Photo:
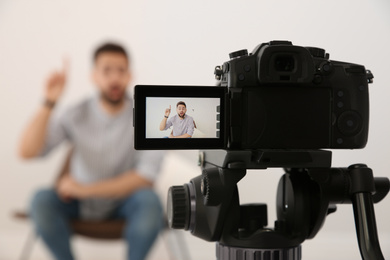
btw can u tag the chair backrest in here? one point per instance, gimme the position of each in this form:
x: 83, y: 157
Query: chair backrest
x: 65, y: 169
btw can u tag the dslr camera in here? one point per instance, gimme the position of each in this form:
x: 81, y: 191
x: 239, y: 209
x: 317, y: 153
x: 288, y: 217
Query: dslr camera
x: 275, y: 107
x: 280, y: 96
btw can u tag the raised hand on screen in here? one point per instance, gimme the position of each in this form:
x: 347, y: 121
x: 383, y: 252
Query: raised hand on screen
x: 168, y: 111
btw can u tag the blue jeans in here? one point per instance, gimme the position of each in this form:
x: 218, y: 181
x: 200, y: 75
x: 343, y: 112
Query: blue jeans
x: 142, y: 212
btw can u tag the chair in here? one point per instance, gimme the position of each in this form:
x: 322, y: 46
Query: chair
x: 104, y: 229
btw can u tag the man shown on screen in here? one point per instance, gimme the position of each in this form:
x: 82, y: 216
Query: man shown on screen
x: 183, y: 125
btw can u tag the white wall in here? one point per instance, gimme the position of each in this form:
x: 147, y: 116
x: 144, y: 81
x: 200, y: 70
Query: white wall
x: 180, y: 42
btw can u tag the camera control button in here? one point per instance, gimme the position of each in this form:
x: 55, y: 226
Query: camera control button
x: 241, y: 77
x: 247, y: 68
x: 326, y: 68
x: 349, y: 123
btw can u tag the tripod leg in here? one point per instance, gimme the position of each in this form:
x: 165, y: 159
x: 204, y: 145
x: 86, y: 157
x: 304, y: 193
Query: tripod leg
x: 366, y: 226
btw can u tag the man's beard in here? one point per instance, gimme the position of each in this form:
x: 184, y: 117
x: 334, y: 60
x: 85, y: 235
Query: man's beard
x: 112, y: 101
x: 183, y: 116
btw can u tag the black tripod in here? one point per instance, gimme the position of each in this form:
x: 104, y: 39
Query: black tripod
x: 308, y: 191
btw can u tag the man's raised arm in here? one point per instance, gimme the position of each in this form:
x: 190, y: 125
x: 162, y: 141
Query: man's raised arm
x: 164, y: 121
x: 33, y: 136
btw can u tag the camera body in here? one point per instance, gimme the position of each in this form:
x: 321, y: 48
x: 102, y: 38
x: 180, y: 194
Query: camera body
x: 283, y: 96
x: 280, y: 96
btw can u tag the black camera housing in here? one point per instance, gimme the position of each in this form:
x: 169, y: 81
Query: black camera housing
x: 292, y: 97
x: 280, y: 96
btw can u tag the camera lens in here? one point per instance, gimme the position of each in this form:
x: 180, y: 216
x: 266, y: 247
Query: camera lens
x: 284, y: 63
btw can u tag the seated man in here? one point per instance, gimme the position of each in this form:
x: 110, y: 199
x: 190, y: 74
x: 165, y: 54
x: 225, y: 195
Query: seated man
x: 107, y: 178
x: 183, y: 125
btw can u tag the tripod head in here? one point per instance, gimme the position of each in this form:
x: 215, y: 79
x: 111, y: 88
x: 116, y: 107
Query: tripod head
x: 308, y: 191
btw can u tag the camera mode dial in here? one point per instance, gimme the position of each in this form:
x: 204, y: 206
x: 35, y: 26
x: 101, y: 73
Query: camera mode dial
x: 238, y: 54
x: 317, y: 52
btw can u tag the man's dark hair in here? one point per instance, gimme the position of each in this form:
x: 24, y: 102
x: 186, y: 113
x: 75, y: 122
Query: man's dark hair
x: 110, y: 47
x: 181, y: 103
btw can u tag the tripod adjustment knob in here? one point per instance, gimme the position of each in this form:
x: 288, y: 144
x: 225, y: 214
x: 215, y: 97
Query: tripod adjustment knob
x: 178, y: 208
x: 241, y: 253
x: 211, y: 187
x: 362, y: 179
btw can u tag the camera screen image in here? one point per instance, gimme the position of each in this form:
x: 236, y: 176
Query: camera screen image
x: 182, y: 117
x: 179, y: 117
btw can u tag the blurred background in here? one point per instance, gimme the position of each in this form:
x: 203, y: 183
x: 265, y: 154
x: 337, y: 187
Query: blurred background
x: 180, y: 42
